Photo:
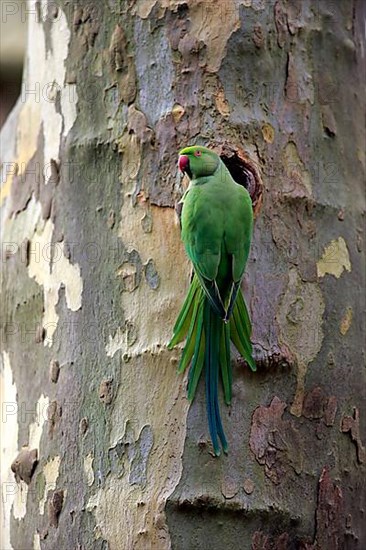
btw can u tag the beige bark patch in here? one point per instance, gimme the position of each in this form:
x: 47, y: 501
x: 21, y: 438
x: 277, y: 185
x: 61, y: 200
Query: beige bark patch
x: 335, y: 259
x: 151, y: 399
x: 50, y: 268
x: 36, y: 541
x: 213, y: 24
x: 346, y: 321
x: 44, y: 83
x: 15, y: 230
x: 177, y: 112
x: 300, y: 319
x: 88, y: 469
x: 36, y: 428
x: 35, y: 434
x: 170, y: 263
x: 9, y: 446
x: 144, y: 7
x: 268, y: 133
x: 221, y: 103
x: 50, y: 471
x: 297, y: 181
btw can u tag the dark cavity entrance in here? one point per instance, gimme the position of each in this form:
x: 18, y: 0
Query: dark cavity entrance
x: 244, y: 171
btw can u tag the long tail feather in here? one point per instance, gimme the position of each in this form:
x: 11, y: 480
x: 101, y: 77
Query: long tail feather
x: 191, y: 340
x: 198, y: 357
x: 208, y: 345
x: 226, y: 373
x: 184, y: 318
x: 240, y: 331
x: 213, y: 326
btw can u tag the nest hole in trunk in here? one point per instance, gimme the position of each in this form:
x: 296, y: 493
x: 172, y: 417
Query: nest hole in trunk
x: 244, y: 171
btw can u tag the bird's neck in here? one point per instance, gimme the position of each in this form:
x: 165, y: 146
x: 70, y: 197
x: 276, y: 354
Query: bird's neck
x: 219, y: 177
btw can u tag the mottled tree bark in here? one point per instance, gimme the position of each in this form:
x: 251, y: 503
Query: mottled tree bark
x: 100, y: 446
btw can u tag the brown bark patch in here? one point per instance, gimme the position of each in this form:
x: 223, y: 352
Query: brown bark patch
x: 329, y: 514
x: 55, y: 504
x: 352, y: 425
x: 106, y: 391
x: 25, y: 464
x: 275, y: 442
x: 54, y: 371
x: 317, y: 405
x: 54, y: 413
x: 261, y: 541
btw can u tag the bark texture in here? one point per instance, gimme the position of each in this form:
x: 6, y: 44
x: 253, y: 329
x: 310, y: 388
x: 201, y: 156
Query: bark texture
x: 100, y: 448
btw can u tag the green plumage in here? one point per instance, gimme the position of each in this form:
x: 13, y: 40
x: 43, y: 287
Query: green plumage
x: 217, y: 223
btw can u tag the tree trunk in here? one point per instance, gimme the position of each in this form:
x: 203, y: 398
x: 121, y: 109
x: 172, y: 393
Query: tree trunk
x: 100, y: 448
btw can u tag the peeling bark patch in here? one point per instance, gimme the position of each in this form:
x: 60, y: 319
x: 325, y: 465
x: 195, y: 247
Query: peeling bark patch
x: 351, y: 425
x: 135, y: 452
x: 318, y: 406
x: 54, y: 413
x: 248, y: 486
x: 105, y: 392
x: 151, y: 275
x: 313, y: 404
x: 122, y: 65
x: 177, y: 112
x: 47, y: 70
x: 330, y: 411
x: 229, y: 487
x: 329, y: 123
x: 86, y: 25
x: 50, y: 268
x: 300, y: 319
x: 281, y: 23
x: 130, y: 277
x: 329, y: 514
x: 268, y: 133
x: 54, y: 371
x: 222, y: 104
x: 213, y: 26
x: 55, y: 504
x: 261, y: 541
x: 83, y: 425
x: 142, y: 476
x: 130, y: 271
x: 152, y: 81
x: 141, y: 452
x: 335, y: 259
x: 299, y: 85
x: 24, y: 465
x: 346, y: 321
x: 88, y: 469
x: 9, y: 434
x: 275, y: 442
x: 297, y: 181
x: 36, y: 428
x: 146, y: 222
x: 36, y: 541
x: 123, y: 339
x: 50, y: 472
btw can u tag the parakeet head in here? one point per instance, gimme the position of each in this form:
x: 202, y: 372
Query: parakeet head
x: 197, y: 161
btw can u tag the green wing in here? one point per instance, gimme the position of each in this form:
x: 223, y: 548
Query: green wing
x: 217, y: 224
x: 202, y: 239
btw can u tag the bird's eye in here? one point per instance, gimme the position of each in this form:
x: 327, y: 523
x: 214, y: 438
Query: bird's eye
x: 197, y: 153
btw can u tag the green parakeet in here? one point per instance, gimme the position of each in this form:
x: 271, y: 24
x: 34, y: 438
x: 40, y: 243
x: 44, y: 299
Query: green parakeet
x: 217, y: 222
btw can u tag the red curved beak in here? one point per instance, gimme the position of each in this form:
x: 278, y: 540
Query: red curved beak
x: 183, y: 163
